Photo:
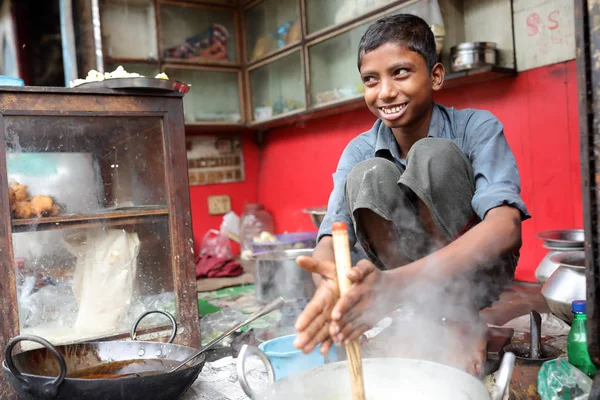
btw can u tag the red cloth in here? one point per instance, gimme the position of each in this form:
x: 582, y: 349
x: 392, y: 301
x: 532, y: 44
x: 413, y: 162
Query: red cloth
x: 208, y: 266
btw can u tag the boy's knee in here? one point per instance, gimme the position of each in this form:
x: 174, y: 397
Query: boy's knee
x: 442, y: 158
x: 374, y: 172
x: 376, y: 167
x: 435, y: 148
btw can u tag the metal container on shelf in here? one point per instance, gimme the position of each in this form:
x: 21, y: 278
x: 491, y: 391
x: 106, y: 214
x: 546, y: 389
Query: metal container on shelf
x: 470, y: 55
x: 276, y: 273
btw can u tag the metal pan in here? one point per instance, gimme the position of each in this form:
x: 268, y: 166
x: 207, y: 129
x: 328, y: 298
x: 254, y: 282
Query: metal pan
x: 90, y: 370
x: 138, y: 83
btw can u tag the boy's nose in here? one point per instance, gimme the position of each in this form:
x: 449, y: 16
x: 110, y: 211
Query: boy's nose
x: 388, y: 90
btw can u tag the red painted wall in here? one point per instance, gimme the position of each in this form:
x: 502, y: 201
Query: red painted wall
x: 538, y: 109
x: 240, y: 192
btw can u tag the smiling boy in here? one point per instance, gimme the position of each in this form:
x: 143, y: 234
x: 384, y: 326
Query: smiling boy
x: 431, y: 193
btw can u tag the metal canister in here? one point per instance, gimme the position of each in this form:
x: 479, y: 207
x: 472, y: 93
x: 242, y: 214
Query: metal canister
x: 471, y: 55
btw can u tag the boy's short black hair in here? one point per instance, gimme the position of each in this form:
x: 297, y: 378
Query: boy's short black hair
x: 406, y: 30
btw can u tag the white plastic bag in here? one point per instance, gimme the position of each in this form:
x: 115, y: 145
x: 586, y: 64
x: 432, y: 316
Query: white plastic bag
x: 216, y: 243
x: 104, y: 278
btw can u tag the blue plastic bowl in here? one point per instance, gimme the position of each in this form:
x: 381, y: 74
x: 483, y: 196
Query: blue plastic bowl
x: 288, y: 360
x: 9, y: 81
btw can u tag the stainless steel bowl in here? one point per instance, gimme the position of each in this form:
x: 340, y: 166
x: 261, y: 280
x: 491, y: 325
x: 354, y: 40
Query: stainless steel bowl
x: 316, y: 214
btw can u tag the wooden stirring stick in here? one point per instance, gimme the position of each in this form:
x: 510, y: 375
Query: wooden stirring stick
x: 343, y: 263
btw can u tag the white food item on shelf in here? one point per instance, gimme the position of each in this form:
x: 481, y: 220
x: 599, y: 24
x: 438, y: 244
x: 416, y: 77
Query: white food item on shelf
x: 120, y: 72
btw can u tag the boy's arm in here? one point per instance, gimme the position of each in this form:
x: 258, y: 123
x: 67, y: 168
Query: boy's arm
x: 497, y: 235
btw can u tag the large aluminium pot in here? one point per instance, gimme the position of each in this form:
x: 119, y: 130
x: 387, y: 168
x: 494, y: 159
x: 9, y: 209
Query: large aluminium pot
x: 384, y: 378
x: 557, y: 242
x: 89, y: 370
x: 566, y: 284
x: 276, y: 273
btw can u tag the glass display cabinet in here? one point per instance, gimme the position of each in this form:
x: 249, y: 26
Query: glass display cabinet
x: 95, y: 227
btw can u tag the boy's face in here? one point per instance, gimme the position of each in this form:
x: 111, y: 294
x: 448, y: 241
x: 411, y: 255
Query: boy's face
x: 398, y: 87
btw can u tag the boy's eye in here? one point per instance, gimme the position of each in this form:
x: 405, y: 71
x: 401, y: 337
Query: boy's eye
x: 401, y: 71
x: 367, y: 79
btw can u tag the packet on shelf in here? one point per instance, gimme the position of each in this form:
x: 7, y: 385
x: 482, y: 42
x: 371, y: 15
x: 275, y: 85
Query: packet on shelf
x: 95, y: 76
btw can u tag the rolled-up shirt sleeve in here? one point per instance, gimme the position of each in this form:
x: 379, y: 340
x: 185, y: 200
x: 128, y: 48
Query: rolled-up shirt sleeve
x: 337, y: 209
x: 496, y: 174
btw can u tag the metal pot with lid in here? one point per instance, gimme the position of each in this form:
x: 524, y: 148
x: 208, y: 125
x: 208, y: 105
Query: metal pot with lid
x: 557, y: 242
x: 402, y: 378
x: 566, y: 284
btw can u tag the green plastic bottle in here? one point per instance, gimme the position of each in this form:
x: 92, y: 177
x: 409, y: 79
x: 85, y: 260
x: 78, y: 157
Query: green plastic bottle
x: 577, y: 341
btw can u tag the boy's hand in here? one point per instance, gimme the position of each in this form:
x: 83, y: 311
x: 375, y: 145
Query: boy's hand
x: 367, y: 301
x: 313, y: 324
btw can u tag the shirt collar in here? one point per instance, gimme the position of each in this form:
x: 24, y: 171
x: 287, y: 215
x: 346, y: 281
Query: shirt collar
x: 385, y: 137
x: 436, y: 124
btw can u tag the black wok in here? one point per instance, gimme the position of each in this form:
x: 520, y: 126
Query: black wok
x: 91, y: 370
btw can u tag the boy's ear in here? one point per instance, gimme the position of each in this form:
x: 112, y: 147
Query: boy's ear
x: 437, y: 76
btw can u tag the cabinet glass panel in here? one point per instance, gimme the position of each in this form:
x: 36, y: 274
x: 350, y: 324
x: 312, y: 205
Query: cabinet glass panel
x: 84, y: 165
x: 271, y: 25
x: 197, y: 34
x: 93, y: 280
x: 334, y: 73
x: 214, y: 95
x: 323, y: 14
x: 129, y: 29
x: 147, y: 70
x: 278, y: 87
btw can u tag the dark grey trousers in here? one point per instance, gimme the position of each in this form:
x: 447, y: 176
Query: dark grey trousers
x: 438, y: 173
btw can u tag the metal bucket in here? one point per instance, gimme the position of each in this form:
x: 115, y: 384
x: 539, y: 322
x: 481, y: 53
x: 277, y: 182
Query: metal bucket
x: 276, y: 273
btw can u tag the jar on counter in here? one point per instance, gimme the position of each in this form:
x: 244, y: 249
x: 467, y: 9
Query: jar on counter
x: 254, y: 220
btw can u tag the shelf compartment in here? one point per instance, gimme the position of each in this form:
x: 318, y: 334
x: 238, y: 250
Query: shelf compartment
x: 271, y: 26
x: 129, y: 29
x: 87, y: 164
x: 110, y: 273
x: 192, y: 33
x: 214, y: 96
x: 323, y: 17
x: 277, y: 87
x: 333, y: 70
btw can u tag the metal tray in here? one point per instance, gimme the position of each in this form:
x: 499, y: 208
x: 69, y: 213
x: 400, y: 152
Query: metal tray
x: 563, y: 238
x: 138, y: 83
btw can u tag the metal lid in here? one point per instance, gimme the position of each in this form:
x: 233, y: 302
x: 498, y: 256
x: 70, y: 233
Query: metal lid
x: 563, y: 238
x: 578, y: 306
x: 474, y: 45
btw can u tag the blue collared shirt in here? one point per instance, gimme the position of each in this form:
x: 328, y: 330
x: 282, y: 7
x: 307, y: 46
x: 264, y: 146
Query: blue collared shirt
x: 477, y: 133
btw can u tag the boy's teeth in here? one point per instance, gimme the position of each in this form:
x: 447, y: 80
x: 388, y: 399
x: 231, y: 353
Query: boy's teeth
x: 392, y: 110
